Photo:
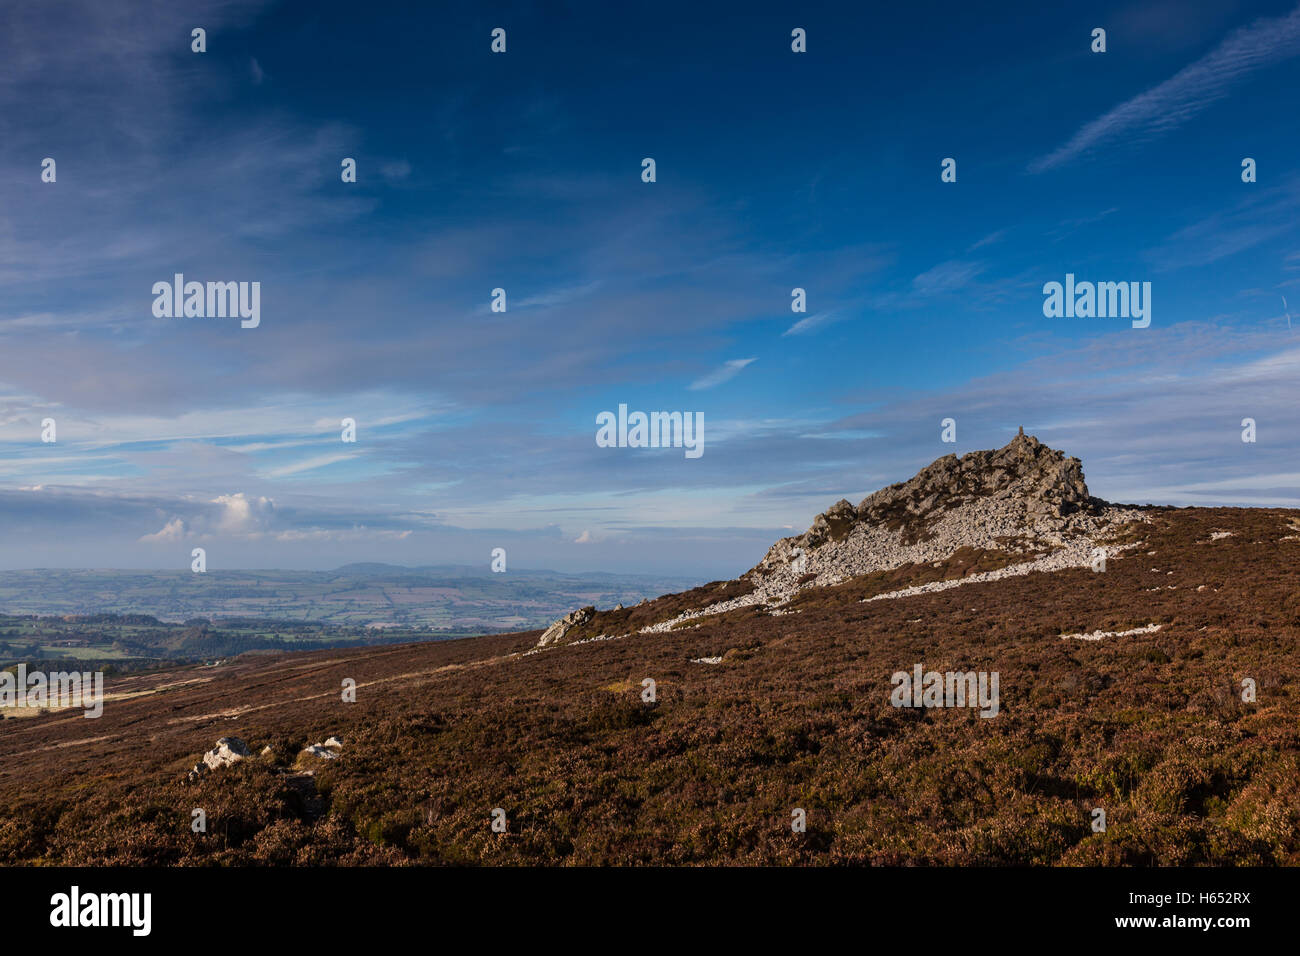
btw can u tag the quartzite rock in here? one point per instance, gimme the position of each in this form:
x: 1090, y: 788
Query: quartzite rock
x: 555, y: 633
x: 227, y: 751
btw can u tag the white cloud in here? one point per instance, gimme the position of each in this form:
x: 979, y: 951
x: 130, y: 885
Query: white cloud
x: 990, y: 239
x: 1187, y: 92
x: 350, y: 534
x: 173, y: 530
x: 726, y: 373
x: 308, y: 465
x: 946, y: 277
x: 241, y: 514
x: 808, y: 323
x: 557, y: 296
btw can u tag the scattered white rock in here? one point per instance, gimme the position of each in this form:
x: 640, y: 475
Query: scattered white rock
x: 706, y: 660
x: 977, y: 524
x: 1098, y: 635
x: 1216, y: 535
x: 227, y: 751
x: 326, y: 751
x: 586, y: 640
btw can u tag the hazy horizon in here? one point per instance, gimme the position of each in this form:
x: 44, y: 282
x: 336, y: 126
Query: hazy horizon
x: 484, y: 570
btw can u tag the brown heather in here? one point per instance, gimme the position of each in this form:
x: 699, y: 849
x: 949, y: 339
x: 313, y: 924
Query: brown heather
x: 1150, y: 727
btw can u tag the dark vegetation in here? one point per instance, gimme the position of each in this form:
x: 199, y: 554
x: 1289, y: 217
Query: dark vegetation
x: 1151, y: 727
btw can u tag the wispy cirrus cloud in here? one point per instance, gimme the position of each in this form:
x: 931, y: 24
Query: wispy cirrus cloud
x: 811, y: 322
x: 946, y: 277
x: 309, y: 464
x: 726, y: 373
x: 1258, y: 218
x: 1189, y: 91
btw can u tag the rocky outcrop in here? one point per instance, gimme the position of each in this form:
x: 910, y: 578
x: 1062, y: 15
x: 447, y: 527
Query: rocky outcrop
x: 1027, y: 488
x: 1024, y: 501
x: 556, y: 632
x: 228, y: 750
x: 1048, y: 483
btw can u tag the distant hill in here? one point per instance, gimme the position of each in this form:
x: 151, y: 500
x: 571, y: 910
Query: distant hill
x: 378, y: 569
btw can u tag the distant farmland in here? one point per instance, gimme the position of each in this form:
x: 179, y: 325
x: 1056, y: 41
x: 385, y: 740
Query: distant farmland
x: 464, y: 600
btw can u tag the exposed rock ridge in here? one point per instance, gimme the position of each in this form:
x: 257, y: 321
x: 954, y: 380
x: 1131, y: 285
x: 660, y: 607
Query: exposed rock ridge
x: 1046, y: 484
x: 1024, y: 498
x: 556, y: 632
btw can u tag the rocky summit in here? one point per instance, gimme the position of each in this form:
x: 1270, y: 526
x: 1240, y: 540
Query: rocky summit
x: 1045, y: 481
x: 1041, y: 485
x: 1020, y: 508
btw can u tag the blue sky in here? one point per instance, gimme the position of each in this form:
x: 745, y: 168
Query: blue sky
x: 522, y: 170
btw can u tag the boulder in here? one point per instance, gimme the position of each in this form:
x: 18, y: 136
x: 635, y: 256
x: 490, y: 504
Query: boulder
x: 227, y: 751
x: 556, y: 632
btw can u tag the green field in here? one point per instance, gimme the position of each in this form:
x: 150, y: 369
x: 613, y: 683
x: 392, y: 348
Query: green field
x: 137, y: 618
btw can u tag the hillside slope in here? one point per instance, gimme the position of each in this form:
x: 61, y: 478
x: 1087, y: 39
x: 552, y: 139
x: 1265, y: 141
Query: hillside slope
x: 1120, y: 690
